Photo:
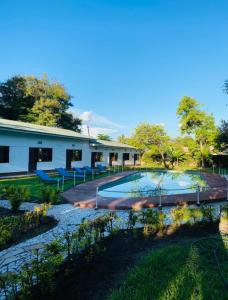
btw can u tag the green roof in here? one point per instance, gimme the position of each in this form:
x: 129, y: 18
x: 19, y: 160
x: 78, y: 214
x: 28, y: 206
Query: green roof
x: 24, y: 127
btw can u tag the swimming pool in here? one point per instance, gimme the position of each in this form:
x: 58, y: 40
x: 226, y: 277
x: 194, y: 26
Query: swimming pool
x: 148, y: 184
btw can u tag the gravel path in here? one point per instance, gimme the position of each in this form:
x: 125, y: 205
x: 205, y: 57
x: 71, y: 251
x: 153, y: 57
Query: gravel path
x: 69, y: 218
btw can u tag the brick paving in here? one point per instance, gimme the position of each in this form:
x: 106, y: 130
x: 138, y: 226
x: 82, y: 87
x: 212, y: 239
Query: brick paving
x: 85, y: 195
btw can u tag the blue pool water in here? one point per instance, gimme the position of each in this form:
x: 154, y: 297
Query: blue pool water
x: 146, y: 184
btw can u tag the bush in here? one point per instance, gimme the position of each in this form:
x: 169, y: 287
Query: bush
x: 15, y: 200
x: 153, y: 221
x: 16, y: 195
x: 50, y: 195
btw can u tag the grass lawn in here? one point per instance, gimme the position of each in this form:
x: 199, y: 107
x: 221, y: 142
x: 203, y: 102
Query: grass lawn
x: 177, y: 272
x: 35, y: 185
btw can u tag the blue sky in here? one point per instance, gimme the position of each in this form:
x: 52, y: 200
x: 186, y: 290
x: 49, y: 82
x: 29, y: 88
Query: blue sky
x: 123, y: 61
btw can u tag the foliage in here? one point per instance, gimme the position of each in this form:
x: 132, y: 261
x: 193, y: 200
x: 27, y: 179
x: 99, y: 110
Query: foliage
x: 50, y: 195
x: 104, y: 137
x: 151, y: 137
x: 152, y: 220
x: 37, y: 100
x: 201, y: 125
x: 222, y: 138
x: 224, y: 212
x: 14, y: 227
x: 15, y: 194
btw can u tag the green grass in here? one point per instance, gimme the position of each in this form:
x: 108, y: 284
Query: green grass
x: 176, y: 272
x: 35, y: 185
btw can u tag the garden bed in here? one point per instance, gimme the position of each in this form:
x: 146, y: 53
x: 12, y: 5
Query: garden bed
x: 94, y: 279
x: 18, y: 226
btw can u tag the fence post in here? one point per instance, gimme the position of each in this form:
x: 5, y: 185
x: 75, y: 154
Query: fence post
x: 74, y: 177
x: 92, y: 174
x: 197, y: 195
x: 57, y: 184
x: 160, y: 198
x: 96, y: 205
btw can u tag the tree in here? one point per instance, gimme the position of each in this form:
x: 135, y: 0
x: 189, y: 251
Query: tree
x: 122, y: 139
x: 151, y: 137
x: 175, y: 153
x: 15, y: 103
x: 223, y: 135
x: 197, y: 122
x: 104, y: 137
x: 37, y: 100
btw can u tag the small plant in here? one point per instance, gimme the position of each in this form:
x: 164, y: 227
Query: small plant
x: 208, y: 213
x: 153, y: 221
x: 50, y: 195
x: 177, y: 214
x: 16, y: 200
x: 132, y: 219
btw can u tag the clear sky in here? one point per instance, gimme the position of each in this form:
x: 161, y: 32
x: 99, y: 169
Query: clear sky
x: 123, y: 61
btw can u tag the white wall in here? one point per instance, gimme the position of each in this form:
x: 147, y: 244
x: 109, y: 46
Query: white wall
x: 19, y: 151
x: 20, y: 143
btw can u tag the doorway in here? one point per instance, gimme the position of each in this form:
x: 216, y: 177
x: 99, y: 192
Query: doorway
x: 33, y: 158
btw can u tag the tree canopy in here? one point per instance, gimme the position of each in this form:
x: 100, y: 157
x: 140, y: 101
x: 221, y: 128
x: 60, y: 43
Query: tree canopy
x: 37, y: 100
x: 104, y: 137
x: 198, y: 123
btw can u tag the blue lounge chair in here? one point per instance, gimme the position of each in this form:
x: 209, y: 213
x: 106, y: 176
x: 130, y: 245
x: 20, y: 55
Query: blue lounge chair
x: 45, y: 177
x: 80, y: 171
x: 63, y: 172
x: 91, y: 171
x: 102, y: 169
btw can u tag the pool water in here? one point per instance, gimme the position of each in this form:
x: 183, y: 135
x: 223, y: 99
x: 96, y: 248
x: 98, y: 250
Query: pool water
x: 146, y: 184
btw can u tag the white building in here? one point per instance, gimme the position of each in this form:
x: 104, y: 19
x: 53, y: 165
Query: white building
x: 26, y: 147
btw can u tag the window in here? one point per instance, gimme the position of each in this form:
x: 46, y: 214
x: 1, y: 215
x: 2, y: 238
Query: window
x: 4, y: 154
x: 126, y: 156
x: 98, y: 156
x: 44, y: 154
x: 76, y: 155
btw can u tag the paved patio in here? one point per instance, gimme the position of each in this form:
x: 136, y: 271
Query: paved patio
x: 85, y: 195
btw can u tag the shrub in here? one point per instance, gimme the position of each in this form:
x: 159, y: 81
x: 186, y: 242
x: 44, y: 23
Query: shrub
x: 132, y: 219
x: 153, y: 221
x: 15, y: 200
x: 50, y: 195
x: 177, y: 214
x: 16, y: 195
x: 224, y: 212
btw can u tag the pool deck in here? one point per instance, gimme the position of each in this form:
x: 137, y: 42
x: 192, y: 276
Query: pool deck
x: 85, y: 195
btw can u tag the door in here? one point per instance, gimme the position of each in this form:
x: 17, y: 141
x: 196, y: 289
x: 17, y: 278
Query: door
x: 126, y: 156
x: 135, y: 158
x: 33, y: 158
x: 68, y: 158
x: 111, y: 158
x: 93, y: 159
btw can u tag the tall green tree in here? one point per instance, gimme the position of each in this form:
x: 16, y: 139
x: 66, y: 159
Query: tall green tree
x: 37, y: 100
x: 151, y: 137
x: 15, y: 102
x: 223, y: 135
x: 198, y: 123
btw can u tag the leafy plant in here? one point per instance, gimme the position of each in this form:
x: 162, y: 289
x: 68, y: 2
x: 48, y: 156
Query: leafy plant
x: 50, y: 195
x: 153, y: 221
